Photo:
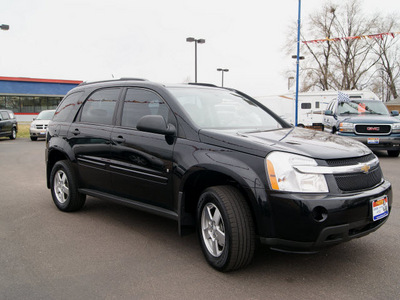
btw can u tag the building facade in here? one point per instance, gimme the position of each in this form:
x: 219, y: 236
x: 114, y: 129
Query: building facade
x: 26, y: 97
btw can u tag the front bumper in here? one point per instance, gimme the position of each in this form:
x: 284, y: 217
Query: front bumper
x: 306, y: 223
x: 37, y: 132
x: 377, y: 142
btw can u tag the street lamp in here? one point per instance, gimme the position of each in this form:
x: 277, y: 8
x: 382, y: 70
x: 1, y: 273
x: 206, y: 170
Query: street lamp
x: 4, y: 27
x: 196, y: 41
x: 222, y: 71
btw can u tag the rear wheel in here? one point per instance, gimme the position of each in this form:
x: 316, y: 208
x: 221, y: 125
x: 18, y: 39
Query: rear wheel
x: 393, y: 153
x: 64, y: 188
x: 225, y: 228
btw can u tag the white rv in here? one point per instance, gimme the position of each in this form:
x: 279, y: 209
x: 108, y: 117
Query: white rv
x: 311, y: 105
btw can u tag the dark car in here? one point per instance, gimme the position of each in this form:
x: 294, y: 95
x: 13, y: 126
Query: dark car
x: 8, y: 124
x: 367, y: 121
x: 217, y: 160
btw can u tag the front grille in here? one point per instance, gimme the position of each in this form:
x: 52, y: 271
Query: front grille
x: 356, y: 181
x: 373, y: 129
x: 349, y: 161
x: 40, y: 126
x: 359, y: 181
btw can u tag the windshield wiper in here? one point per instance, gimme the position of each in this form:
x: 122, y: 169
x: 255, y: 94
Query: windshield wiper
x: 348, y: 113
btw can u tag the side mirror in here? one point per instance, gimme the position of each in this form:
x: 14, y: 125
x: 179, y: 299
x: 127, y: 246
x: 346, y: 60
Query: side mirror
x: 395, y: 113
x: 155, y: 124
x: 328, y: 113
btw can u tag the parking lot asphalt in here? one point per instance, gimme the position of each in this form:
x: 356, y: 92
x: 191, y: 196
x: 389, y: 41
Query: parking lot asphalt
x: 107, y: 251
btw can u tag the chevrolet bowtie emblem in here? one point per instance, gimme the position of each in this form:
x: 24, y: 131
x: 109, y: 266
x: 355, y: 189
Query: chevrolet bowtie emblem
x: 365, y: 168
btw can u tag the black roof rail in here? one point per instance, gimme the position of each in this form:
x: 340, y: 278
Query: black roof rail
x: 118, y: 79
x: 133, y: 78
x: 203, y: 84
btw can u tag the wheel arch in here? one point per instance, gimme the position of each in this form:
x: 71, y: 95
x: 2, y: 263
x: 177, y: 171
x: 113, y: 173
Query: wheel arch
x: 197, y: 181
x: 53, y: 157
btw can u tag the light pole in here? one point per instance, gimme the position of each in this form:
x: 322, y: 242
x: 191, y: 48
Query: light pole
x: 4, y: 27
x: 297, y: 65
x: 196, y: 41
x: 222, y: 71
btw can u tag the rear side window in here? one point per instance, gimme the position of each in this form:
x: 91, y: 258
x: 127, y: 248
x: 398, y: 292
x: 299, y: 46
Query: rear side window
x: 306, y: 105
x: 100, y: 106
x: 139, y: 103
x: 66, y: 107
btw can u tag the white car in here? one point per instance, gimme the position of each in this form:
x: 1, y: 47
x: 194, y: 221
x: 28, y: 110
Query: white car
x: 39, y: 125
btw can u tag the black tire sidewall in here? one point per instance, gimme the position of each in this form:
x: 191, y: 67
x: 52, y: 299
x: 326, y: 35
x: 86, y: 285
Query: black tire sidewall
x: 75, y: 200
x: 219, y: 263
x: 13, y: 134
x: 393, y: 153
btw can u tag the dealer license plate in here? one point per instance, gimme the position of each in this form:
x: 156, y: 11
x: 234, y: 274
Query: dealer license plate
x: 373, y: 141
x: 380, y: 208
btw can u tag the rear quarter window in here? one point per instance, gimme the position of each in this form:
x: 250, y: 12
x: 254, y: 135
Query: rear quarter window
x: 65, y: 110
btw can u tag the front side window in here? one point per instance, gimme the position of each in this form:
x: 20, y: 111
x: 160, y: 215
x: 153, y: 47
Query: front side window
x: 100, y: 106
x: 223, y: 109
x: 139, y: 103
x: 4, y: 115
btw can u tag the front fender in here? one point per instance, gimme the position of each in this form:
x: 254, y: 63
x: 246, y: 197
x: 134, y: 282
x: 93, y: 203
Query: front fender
x: 209, y: 167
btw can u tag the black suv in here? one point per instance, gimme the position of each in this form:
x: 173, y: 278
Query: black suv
x: 8, y: 124
x: 367, y: 121
x: 216, y: 160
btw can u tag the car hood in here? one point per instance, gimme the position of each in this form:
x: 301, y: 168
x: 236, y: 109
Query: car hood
x: 307, y: 142
x: 368, y: 119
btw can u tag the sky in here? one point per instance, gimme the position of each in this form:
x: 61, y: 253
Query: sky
x: 102, y: 39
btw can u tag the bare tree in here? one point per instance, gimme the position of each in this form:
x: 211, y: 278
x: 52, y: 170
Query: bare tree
x: 386, y: 49
x: 344, y: 61
x: 318, y: 72
x: 352, y: 55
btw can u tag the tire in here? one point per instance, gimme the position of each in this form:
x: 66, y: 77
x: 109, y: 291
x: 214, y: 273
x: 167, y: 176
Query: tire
x: 393, y: 153
x: 33, y: 138
x: 225, y: 228
x: 13, y: 135
x: 64, y: 189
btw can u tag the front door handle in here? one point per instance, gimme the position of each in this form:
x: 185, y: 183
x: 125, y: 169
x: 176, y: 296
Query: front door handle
x: 76, y: 131
x: 119, y: 139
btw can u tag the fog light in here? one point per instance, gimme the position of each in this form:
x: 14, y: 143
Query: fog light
x: 319, y: 214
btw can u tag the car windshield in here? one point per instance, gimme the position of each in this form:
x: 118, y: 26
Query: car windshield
x: 46, y: 115
x: 362, y: 107
x: 223, y: 109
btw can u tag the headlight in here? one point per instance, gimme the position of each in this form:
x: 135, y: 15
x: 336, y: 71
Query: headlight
x: 346, y: 127
x: 33, y: 125
x: 396, y: 128
x: 283, y: 176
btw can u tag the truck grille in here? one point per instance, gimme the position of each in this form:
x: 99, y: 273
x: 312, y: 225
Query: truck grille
x: 373, y: 129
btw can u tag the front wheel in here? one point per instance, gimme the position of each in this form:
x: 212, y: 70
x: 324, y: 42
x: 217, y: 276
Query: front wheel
x: 393, y: 153
x: 13, y: 135
x: 225, y: 228
x: 64, y: 188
